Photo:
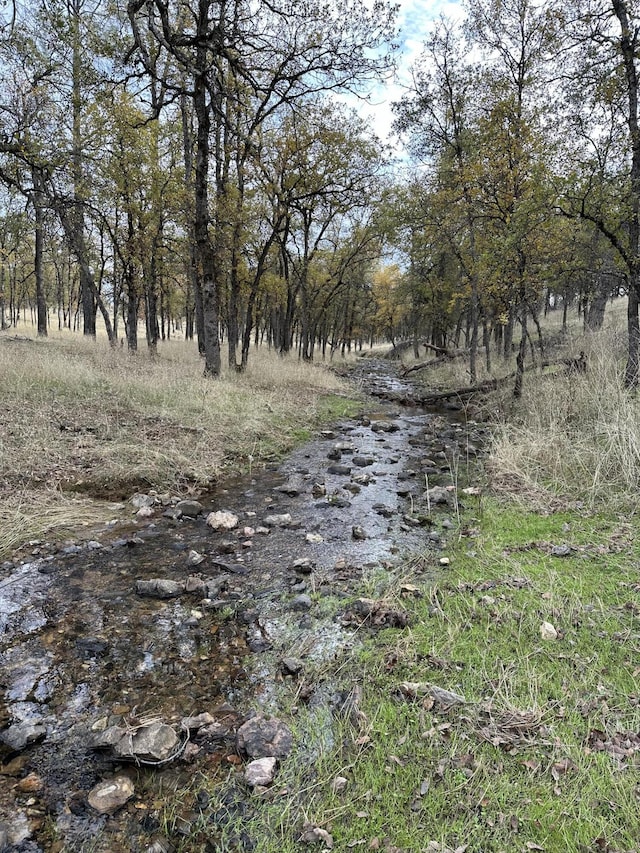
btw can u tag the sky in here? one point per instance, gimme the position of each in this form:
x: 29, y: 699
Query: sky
x: 416, y: 19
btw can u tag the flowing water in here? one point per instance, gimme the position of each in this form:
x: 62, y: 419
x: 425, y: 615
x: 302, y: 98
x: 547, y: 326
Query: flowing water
x: 80, y: 648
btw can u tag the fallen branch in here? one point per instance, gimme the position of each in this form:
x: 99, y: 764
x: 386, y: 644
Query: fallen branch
x: 446, y: 355
x: 466, y: 391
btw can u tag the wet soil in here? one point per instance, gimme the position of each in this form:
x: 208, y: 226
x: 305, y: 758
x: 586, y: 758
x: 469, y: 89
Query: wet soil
x: 79, y: 649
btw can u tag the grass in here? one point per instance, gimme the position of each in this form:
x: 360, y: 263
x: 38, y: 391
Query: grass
x: 80, y: 418
x: 573, y: 437
x: 532, y: 760
x: 542, y: 755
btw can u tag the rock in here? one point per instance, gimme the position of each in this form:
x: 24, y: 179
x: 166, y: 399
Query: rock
x: 160, y: 845
x: 438, y: 495
x: 195, y: 584
x: 226, y: 546
x: 363, y: 461
x: 214, y: 586
x: 293, y: 486
x: 189, y: 508
x: 560, y: 551
x: 154, y: 742
x: 4, y: 838
x: 108, y: 796
x: 197, y: 722
x: 344, y: 447
x: 194, y: 558
x: 263, y: 738
x: 31, y: 784
x: 548, y: 631
x: 160, y: 588
x: 140, y: 500
x: 20, y: 735
x: 314, y: 834
x: 292, y: 666
x: 359, y: 533
x: 222, y: 520
x: 261, y: 771
x: 150, y: 742
x: 145, y: 512
x: 444, y: 561
x: 362, y: 479
x: 339, y: 501
x: 301, y: 602
x: 363, y: 606
x: 282, y: 520
x: 383, y: 510
x: 303, y: 565
x: 314, y: 538
x: 341, y: 470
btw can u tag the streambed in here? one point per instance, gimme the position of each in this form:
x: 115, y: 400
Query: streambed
x: 80, y: 648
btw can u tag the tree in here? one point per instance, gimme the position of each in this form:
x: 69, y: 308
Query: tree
x: 602, y: 184
x: 238, y: 64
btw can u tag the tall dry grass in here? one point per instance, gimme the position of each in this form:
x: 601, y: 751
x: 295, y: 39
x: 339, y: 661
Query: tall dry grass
x: 79, y: 417
x: 574, y: 437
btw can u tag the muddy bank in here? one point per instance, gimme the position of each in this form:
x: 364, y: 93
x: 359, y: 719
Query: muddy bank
x: 251, y: 611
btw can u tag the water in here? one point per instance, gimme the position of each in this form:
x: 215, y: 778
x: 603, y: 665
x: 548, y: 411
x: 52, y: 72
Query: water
x: 79, y: 646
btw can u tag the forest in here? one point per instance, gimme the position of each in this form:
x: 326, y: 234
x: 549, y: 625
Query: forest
x: 194, y: 165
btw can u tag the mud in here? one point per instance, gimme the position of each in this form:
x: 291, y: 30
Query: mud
x: 80, y: 650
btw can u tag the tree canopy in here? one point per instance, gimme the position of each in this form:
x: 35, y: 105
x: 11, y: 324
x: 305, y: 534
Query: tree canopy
x: 187, y: 166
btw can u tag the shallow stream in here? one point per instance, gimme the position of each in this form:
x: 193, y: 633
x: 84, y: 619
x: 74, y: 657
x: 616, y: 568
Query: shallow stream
x: 79, y: 647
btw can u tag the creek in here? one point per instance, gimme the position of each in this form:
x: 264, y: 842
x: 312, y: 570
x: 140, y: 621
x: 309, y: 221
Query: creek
x: 80, y: 648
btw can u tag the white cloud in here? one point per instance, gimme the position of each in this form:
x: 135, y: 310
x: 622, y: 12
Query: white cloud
x: 416, y: 20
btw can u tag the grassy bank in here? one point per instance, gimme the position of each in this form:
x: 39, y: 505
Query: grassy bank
x: 534, y: 630
x: 543, y: 752
x: 80, y: 420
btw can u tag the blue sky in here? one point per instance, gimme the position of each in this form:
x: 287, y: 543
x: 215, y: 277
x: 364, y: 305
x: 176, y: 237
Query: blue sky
x: 416, y: 18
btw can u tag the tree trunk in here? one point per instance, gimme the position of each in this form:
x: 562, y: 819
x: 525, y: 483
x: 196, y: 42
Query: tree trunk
x: 632, y: 371
x: 205, y: 257
x: 522, y: 350
x: 41, y: 305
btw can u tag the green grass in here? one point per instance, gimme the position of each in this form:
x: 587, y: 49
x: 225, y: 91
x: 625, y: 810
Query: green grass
x: 518, y: 765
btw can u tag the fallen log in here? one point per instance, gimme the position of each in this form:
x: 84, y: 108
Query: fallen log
x: 465, y: 391
x: 446, y: 355
x: 571, y: 367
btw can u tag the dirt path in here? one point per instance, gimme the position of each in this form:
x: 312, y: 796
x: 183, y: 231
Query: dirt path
x: 80, y: 648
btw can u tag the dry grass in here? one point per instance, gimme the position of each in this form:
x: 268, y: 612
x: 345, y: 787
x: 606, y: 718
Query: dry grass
x: 80, y: 417
x: 575, y: 437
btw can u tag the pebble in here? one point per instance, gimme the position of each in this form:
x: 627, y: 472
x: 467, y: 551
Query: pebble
x: 301, y: 602
x: 260, y: 772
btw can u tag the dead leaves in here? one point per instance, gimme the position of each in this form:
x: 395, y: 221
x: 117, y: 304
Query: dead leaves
x: 315, y: 834
x: 432, y: 695
x: 621, y: 746
x: 511, y: 729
